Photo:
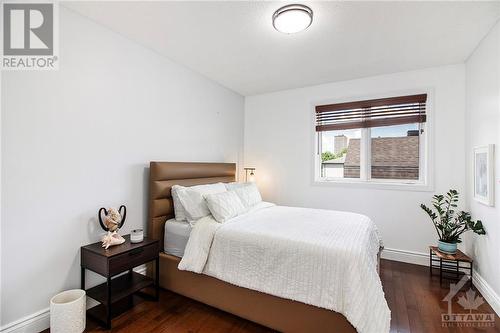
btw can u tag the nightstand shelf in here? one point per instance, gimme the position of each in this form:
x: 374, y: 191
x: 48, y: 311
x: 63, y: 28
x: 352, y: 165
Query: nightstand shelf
x: 121, y: 287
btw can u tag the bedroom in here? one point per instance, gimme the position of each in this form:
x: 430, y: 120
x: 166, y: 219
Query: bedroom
x: 345, y: 116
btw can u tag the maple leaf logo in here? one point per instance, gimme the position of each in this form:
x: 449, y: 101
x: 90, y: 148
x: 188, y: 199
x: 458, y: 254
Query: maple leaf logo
x: 470, y: 301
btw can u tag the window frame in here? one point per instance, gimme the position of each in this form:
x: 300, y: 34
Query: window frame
x: 425, y: 182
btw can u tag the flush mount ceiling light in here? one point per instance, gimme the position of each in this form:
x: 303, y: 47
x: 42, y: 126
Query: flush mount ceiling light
x: 292, y: 18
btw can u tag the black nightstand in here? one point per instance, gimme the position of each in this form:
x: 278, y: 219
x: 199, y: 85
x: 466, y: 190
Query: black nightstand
x: 113, y: 261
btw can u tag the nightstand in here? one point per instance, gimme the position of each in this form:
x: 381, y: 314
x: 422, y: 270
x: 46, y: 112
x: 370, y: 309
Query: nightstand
x: 111, y: 263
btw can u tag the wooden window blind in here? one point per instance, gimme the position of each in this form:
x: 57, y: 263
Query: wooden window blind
x: 371, y: 113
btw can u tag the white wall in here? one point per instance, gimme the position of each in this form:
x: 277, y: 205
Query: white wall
x: 279, y: 143
x: 483, y: 127
x: 82, y: 137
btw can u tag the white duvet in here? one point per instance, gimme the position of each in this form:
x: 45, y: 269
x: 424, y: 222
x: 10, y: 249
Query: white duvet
x: 320, y: 257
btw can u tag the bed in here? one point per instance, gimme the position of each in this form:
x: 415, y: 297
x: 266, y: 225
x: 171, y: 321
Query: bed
x: 278, y: 313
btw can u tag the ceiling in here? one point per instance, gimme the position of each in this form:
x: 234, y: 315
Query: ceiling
x: 234, y: 43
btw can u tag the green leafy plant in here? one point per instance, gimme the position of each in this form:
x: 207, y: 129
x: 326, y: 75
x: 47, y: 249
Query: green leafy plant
x: 328, y: 155
x: 449, y: 224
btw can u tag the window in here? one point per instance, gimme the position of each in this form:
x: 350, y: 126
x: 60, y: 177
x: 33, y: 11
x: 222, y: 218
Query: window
x: 380, y: 140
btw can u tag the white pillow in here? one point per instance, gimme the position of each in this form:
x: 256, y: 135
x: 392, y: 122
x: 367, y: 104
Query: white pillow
x: 193, y: 202
x: 249, y: 195
x: 235, y: 185
x: 180, y: 213
x: 225, y: 205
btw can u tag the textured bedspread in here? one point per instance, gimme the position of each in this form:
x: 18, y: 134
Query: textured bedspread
x: 319, y: 257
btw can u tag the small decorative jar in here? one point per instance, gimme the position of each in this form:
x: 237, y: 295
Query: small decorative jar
x: 136, y: 236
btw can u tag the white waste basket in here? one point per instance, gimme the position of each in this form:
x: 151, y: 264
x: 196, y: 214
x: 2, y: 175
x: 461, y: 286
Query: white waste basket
x: 68, y: 311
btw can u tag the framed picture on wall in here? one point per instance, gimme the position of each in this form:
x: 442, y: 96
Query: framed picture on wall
x: 484, y: 181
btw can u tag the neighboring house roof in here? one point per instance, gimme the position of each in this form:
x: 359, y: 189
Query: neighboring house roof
x: 402, y: 151
x: 352, y: 156
x: 339, y: 160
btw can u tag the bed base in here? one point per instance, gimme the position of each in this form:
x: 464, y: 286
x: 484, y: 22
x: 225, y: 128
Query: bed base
x: 277, y: 313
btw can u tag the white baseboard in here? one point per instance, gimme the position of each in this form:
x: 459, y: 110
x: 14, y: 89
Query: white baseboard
x: 40, y: 320
x: 488, y: 293
x: 411, y: 257
x: 33, y: 323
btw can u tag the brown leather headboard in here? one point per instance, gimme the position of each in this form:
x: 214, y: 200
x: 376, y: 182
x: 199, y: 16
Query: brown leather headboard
x: 164, y: 175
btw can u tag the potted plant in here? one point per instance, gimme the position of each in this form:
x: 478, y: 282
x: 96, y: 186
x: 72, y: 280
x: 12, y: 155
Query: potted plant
x: 449, y: 224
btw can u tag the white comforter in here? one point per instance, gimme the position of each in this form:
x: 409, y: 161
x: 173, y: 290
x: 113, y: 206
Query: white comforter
x: 319, y: 257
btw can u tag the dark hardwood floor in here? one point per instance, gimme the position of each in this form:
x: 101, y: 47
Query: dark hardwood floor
x: 415, y: 300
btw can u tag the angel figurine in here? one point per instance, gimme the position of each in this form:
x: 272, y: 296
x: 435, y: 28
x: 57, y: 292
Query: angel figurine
x: 113, y: 221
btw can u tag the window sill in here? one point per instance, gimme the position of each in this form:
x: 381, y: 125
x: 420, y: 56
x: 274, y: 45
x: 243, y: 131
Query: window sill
x: 374, y: 184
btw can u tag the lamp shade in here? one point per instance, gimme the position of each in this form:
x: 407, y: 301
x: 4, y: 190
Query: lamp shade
x: 249, y: 174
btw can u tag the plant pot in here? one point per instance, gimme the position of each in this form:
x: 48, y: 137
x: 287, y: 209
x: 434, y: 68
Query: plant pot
x: 67, y: 312
x: 448, y: 248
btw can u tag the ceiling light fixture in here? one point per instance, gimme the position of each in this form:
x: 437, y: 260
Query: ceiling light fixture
x: 292, y: 18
